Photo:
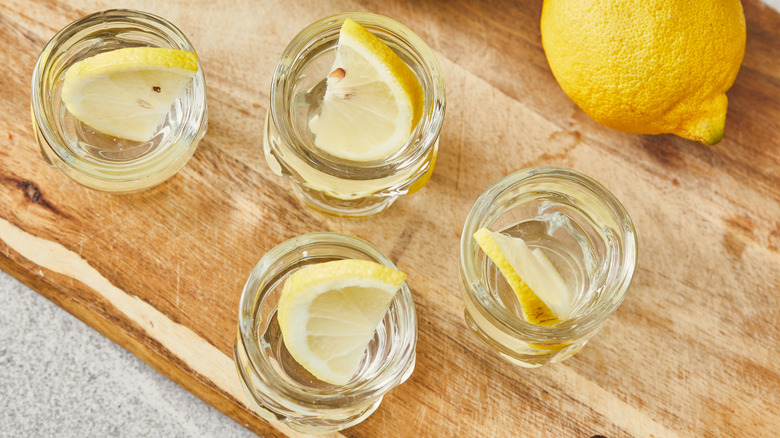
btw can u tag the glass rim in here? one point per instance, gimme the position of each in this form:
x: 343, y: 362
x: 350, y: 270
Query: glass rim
x: 42, y: 117
x: 431, y: 119
x: 386, y: 379
x: 507, y: 321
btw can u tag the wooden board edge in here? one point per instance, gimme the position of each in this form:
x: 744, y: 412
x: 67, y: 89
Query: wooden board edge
x: 204, y: 392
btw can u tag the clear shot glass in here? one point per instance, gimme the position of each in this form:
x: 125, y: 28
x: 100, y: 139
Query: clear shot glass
x: 278, y: 388
x: 101, y: 161
x: 330, y: 184
x: 582, y: 229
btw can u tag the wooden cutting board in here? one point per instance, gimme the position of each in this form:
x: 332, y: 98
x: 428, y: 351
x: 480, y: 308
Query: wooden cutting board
x: 693, y: 350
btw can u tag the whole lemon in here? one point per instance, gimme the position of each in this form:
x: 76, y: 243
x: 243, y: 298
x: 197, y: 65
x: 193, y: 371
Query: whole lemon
x: 647, y: 66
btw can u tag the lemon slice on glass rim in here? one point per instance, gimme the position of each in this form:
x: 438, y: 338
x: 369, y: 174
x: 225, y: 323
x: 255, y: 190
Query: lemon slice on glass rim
x: 127, y: 93
x: 328, y: 313
x: 543, y: 295
x: 373, y: 99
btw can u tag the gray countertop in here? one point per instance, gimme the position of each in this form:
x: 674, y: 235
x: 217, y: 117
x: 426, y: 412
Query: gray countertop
x: 59, y: 377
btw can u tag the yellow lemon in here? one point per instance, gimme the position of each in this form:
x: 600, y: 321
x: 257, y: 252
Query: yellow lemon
x: 373, y: 99
x: 127, y: 92
x: 328, y: 313
x: 647, y: 66
x: 540, y: 289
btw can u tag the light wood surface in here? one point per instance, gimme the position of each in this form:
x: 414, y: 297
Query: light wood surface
x: 693, y: 350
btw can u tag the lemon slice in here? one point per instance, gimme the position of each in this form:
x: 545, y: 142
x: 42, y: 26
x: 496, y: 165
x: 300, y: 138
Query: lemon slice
x: 328, y: 314
x: 127, y: 93
x: 542, y: 292
x: 373, y: 99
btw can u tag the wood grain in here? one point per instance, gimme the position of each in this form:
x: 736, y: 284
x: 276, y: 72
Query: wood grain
x: 691, y: 352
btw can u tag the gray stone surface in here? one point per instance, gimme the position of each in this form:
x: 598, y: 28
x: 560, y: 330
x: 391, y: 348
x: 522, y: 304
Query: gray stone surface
x: 60, y: 378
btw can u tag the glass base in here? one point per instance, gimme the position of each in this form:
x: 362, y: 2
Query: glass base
x: 313, y: 425
x: 523, y: 354
x: 323, y: 426
x: 353, y: 208
x: 128, y: 185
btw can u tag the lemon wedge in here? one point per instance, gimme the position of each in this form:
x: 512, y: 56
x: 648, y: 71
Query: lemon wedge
x: 328, y: 313
x: 373, y: 99
x: 542, y: 292
x: 128, y: 92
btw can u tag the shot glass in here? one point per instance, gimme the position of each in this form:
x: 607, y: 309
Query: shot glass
x: 330, y: 184
x: 101, y: 161
x: 585, y: 233
x: 278, y: 388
